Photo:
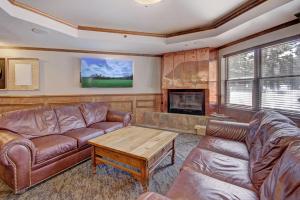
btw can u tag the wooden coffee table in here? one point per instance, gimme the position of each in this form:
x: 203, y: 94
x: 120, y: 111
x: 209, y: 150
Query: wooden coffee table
x: 140, y: 149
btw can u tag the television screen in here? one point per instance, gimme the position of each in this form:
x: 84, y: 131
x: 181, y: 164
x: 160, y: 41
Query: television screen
x: 98, y: 72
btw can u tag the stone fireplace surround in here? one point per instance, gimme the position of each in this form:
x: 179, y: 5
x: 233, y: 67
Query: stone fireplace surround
x: 194, y: 70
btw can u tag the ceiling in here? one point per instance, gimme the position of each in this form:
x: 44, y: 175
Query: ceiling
x: 165, y: 17
x: 16, y: 23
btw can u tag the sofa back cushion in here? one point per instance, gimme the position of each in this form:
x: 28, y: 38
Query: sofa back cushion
x: 259, y: 119
x: 270, y: 143
x: 31, y: 123
x: 283, y: 183
x: 94, y: 112
x: 253, y: 126
x: 69, y: 118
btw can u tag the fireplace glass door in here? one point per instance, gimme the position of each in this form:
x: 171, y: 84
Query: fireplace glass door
x: 186, y: 102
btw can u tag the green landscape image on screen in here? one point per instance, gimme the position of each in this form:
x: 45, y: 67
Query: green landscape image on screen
x: 98, y: 72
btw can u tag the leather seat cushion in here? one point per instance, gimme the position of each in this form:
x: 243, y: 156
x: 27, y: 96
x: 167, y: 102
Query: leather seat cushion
x: 69, y: 118
x: 107, y: 126
x: 228, y: 147
x: 192, y: 185
x: 219, y: 166
x: 50, y: 146
x: 82, y: 135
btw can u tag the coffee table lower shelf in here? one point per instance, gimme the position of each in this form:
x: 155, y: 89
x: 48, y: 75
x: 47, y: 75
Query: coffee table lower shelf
x: 145, y: 167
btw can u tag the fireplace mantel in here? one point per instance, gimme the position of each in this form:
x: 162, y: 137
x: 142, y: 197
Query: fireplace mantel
x: 192, y: 69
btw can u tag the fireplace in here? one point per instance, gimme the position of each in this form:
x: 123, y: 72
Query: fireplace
x: 186, y: 101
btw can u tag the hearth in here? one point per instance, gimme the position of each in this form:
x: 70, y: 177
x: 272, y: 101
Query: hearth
x: 186, y: 101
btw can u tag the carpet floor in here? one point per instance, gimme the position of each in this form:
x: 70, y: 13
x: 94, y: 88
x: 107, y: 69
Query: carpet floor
x: 109, y: 183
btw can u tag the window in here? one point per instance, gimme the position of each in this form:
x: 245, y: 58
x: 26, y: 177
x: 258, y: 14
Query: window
x: 267, y: 77
x: 280, y: 72
x: 239, y: 81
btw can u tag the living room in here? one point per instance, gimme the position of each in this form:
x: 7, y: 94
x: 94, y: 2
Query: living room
x: 150, y: 99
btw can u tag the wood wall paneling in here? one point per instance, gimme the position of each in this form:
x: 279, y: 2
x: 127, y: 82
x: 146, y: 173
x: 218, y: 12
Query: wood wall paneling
x: 178, y: 70
x: 135, y: 103
x: 167, y: 72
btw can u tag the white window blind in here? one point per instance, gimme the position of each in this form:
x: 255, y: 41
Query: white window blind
x: 280, y: 77
x: 239, y: 81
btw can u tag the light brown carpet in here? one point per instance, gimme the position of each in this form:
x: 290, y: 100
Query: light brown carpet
x: 109, y: 183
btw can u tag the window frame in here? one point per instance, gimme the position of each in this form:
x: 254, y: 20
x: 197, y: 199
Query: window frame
x: 256, y: 90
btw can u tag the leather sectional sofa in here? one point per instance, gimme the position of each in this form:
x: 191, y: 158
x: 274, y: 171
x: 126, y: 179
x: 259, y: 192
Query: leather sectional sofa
x: 259, y: 160
x: 36, y: 144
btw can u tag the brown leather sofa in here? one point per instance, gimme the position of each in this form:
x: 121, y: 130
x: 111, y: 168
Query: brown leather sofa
x: 259, y: 160
x: 36, y: 144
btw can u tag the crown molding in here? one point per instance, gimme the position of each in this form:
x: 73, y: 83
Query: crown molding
x: 222, y: 20
x: 217, y: 23
x: 124, y: 32
x: 77, y: 51
x: 275, y: 28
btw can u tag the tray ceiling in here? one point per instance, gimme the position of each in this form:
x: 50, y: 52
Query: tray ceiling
x: 166, y: 17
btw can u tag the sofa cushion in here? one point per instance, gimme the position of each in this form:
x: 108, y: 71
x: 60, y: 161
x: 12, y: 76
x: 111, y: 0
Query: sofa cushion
x: 260, y: 119
x: 283, y: 183
x: 50, y: 146
x: 219, y: 166
x: 69, y: 118
x: 94, y: 112
x: 192, y: 185
x: 82, y: 135
x: 253, y: 126
x: 228, y: 147
x: 108, y: 126
x: 274, y: 138
x: 31, y: 123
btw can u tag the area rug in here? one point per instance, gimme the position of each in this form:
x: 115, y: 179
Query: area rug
x: 109, y: 183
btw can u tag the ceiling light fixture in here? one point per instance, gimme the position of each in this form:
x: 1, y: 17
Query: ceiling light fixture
x: 148, y: 2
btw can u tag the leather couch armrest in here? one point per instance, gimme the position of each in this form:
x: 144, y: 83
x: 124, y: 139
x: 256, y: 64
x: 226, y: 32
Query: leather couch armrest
x: 117, y: 116
x: 152, y: 196
x: 227, y: 130
x: 17, y: 155
x: 8, y: 140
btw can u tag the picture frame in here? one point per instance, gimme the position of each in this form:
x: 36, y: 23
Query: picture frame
x: 2, y: 73
x: 23, y: 74
x: 106, y: 73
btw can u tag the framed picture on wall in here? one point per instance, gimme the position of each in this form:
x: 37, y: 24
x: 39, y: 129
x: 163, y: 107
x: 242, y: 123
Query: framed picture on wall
x: 2, y: 74
x: 106, y: 73
x: 23, y: 74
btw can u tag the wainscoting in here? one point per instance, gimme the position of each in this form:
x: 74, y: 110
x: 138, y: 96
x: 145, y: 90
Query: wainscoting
x: 135, y: 103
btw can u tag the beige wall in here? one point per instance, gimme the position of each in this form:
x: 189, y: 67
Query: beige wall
x: 60, y: 73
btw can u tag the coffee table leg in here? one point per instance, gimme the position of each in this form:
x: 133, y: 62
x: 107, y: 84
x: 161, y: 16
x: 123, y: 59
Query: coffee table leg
x: 145, y: 177
x: 93, y: 160
x: 173, y: 153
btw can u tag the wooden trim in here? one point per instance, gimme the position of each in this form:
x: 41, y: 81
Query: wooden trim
x: 294, y: 37
x: 220, y: 21
x: 81, y: 95
x: 275, y: 28
x: 125, y: 32
x: 39, y: 12
x: 77, y: 51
